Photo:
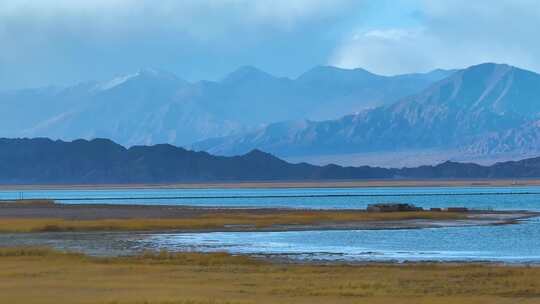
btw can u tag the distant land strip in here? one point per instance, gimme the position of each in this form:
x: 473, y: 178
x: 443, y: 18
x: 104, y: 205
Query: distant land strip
x: 340, y: 184
x: 279, y: 196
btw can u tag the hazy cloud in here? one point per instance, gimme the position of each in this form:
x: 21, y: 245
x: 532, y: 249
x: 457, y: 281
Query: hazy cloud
x: 449, y: 34
x: 68, y: 40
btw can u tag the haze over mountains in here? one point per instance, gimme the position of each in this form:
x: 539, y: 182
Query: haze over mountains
x: 484, y: 110
x: 153, y: 106
x: 101, y: 161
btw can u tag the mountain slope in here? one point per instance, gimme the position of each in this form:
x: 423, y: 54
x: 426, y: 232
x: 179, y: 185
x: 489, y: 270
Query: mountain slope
x: 456, y: 112
x: 140, y: 108
x: 101, y: 161
x: 153, y: 106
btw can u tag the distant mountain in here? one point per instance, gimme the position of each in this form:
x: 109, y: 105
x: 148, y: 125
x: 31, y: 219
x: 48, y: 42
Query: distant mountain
x: 141, y: 108
x: 101, y: 161
x: 153, y: 106
x: 483, y: 109
x: 338, y: 91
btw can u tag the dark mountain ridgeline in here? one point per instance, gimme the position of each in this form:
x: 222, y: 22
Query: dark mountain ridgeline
x: 101, y: 161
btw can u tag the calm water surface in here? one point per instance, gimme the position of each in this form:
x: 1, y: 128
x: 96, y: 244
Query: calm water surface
x: 500, y: 198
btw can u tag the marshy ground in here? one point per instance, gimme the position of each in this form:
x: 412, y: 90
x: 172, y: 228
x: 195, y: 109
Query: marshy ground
x: 33, y: 275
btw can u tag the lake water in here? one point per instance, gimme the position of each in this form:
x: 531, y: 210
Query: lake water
x: 500, y: 198
x: 510, y: 244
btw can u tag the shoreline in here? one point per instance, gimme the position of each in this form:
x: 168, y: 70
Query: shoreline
x: 47, y: 216
x: 109, y: 230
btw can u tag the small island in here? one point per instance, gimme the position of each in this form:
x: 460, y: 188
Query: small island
x: 48, y: 216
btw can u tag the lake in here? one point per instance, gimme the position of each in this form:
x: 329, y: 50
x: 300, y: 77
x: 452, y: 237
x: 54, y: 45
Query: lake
x: 510, y: 244
x: 500, y: 198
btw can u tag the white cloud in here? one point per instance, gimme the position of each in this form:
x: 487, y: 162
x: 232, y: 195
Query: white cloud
x: 451, y: 34
x: 389, y: 35
x: 388, y: 51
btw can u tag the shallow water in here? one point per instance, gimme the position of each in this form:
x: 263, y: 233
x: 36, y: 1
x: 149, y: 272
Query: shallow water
x: 518, y: 243
x: 509, y: 244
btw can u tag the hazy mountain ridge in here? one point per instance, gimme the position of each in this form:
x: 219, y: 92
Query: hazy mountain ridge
x: 487, y: 108
x: 153, y: 106
x: 101, y: 161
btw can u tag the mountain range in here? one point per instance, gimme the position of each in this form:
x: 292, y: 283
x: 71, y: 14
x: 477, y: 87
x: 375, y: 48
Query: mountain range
x: 484, y: 113
x: 101, y: 161
x: 487, y: 109
x: 153, y: 106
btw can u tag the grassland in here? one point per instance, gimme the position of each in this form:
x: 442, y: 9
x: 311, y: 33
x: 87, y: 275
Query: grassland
x: 44, y: 276
x: 220, y: 221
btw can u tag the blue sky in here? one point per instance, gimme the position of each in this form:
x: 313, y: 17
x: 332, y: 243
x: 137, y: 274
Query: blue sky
x: 63, y: 41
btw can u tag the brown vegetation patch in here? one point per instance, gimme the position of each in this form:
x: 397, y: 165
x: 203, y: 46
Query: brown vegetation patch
x: 218, y: 221
x: 44, y: 276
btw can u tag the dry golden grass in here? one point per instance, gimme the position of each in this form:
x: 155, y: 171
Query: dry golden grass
x: 244, y: 221
x: 44, y: 276
x: 30, y: 202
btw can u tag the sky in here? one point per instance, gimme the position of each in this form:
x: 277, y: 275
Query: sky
x: 61, y: 42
